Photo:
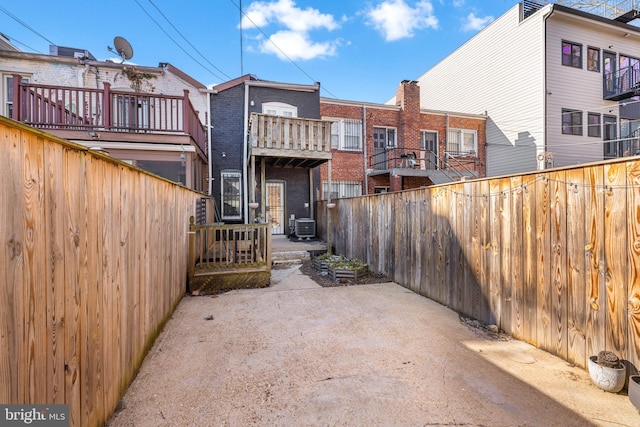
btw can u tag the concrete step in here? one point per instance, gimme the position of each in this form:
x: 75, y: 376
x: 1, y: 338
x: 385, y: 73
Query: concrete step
x: 289, y: 257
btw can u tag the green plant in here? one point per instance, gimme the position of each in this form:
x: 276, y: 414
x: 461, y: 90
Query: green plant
x: 139, y: 80
x: 340, y: 262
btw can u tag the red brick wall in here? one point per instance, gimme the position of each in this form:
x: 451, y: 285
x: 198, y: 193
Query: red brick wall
x: 409, y: 121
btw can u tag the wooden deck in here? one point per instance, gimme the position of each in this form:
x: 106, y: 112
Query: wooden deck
x: 228, y: 256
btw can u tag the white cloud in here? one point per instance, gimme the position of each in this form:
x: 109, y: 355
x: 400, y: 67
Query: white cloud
x: 297, y: 45
x: 475, y: 23
x: 395, y: 19
x: 285, y: 12
x: 458, y: 3
x: 295, y: 40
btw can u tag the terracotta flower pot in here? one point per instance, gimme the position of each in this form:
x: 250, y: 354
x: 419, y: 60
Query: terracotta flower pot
x: 634, y: 390
x: 608, y: 379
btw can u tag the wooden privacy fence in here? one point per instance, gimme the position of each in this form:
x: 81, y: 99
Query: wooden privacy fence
x: 93, y: 260
x: 553, y: 258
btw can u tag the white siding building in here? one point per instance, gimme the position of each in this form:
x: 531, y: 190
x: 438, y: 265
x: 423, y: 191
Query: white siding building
x: 555, y: 82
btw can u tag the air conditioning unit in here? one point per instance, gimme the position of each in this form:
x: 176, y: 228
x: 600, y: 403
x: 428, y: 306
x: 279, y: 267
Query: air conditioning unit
x: 305, y: 228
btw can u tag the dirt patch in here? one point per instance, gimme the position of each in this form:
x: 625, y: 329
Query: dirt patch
x: 326, y: 281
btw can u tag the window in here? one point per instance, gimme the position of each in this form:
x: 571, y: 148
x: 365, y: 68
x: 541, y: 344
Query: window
x: 342, y: 189
x: 610, y: 133
x: 384, y: 137
x: 629, y: 69
x: 571, y: 122
x: 593, y: 59
x: 462, y: 142
x: 7, y: 96
x: 346, y: 134
x: 279, y: 109
x: 572, y: 54
x: 593, y: 125
x: 231, y: 195
x: 429, y: 140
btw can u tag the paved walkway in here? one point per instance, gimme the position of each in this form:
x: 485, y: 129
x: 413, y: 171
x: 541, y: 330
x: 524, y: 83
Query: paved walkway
x: 376, y: 355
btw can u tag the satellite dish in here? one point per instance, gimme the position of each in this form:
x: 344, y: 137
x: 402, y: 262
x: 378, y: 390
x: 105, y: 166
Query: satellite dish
x: 122, y: 48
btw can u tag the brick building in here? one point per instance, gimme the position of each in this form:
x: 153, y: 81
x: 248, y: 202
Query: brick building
x: 404, y: 146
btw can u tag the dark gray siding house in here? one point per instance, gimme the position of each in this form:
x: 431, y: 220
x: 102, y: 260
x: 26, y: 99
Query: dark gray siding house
x: 266, y: 139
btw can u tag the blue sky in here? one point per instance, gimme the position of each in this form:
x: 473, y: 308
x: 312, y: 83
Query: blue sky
x: 357, y: 50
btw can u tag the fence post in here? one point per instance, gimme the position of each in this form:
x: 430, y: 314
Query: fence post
x: 191, y: 266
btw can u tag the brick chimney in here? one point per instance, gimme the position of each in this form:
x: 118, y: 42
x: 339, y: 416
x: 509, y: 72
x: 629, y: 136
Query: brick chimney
x: 408, y: 99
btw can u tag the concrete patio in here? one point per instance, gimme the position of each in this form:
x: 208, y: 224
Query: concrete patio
x: 299, y: 354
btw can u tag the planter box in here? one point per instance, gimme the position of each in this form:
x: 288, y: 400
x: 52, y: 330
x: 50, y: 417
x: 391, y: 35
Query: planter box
x: 338, y: 273
x: 320, y: 265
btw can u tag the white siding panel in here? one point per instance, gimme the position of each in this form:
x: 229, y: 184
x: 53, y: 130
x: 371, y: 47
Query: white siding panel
x: 578, y: 89
x: 500, y: 71
x: 502, y: 152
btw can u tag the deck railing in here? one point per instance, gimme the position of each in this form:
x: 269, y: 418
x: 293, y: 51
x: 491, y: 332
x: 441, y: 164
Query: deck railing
x: 214, y: 247
x: 290, y: 134
x: 622, y: 84
x: 387, y: 159
x: 60, y: 107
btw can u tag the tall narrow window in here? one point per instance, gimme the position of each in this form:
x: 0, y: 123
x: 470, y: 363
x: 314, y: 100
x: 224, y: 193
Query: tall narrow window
x: 8, y: 94
x: 593, y: 59
x: 572, y: 54
x: 571, y: 122
x: 593, y: 125
x: 231, y: 195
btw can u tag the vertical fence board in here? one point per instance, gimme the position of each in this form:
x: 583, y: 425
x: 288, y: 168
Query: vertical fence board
x: 12, y: 385
x: 633, y: 244
x: 415, y: 240
x: 473, y: 238
x: 35, y: 290
x: 441, y: 228
x: 558, y: 259
x: 75, y: 232
x: 457, y: 267
x: 576, y: 278
x: 529, y: 254
x: 517, y: 283
x: 141, y: 272
x: 615, y: 254
x: 427, y: 233
x: 92, y: 361
x: 484, y: 201
x: 594, y: 260
x: 543, y: 250
x: 110, y: 235
x: 55, y: 281
x: 505, y: 254
x: 495, y: 260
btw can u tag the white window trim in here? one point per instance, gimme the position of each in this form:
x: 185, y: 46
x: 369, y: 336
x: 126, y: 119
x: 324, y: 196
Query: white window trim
x: 340, y: 122
x: 423, y: 146
x: 223, y: 175
x: 279, y: 109
x: 4, y: 109
x: 341, y: 187
x: 395, y: 135
x: 460, y: 133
